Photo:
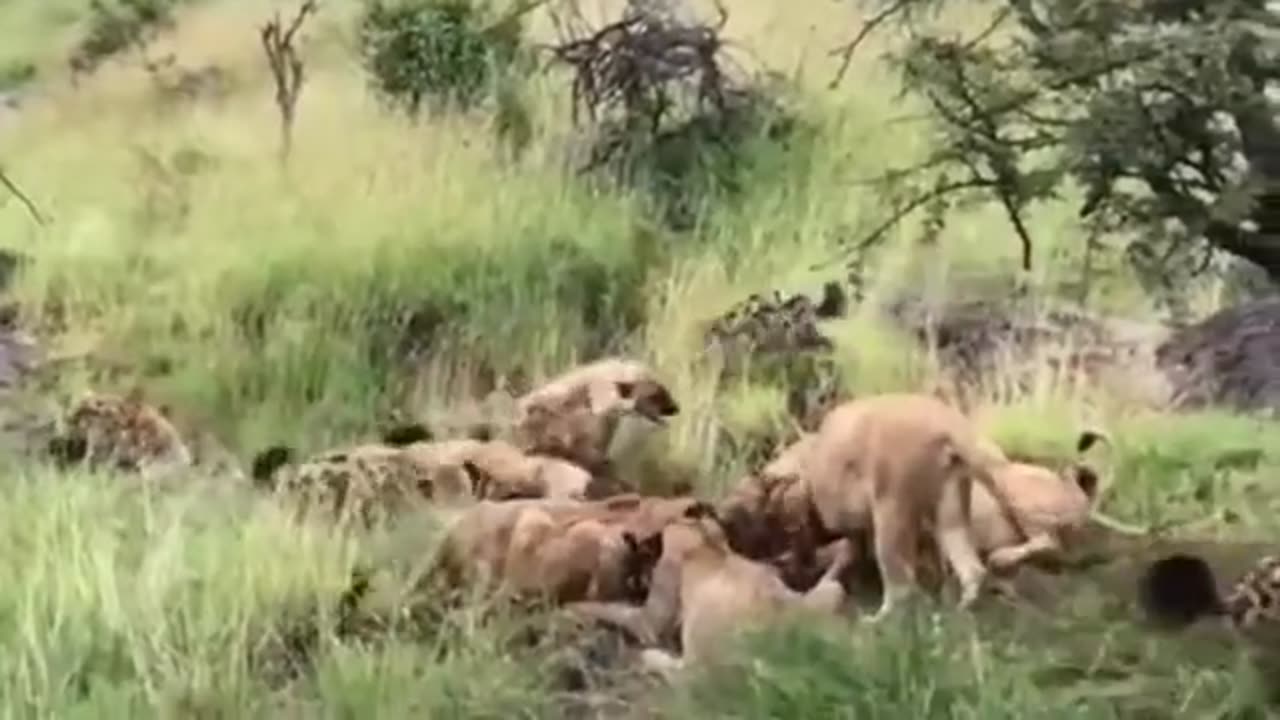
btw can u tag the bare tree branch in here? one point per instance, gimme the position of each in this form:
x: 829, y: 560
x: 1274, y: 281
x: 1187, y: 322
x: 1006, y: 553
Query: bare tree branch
x: 286, y: 69
x: 847, y: 50
x: 12, y: 187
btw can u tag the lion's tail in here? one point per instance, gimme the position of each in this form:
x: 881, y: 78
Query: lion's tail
x: 979, y: 460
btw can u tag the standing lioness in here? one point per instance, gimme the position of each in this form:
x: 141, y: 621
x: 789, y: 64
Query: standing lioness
x: 903, y: 465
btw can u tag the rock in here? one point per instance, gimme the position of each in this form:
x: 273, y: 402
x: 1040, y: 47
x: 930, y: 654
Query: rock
x: 1231, y: 359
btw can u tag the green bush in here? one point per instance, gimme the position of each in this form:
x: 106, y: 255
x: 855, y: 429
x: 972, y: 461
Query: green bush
x: 15, y: 74
x: 115, y: 25
x: 449, y: 50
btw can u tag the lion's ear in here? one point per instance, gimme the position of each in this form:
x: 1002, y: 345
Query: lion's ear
x: 480, y: 480
x: 700, y: 509
x: 1087, y: 479
x: 1088, y: 439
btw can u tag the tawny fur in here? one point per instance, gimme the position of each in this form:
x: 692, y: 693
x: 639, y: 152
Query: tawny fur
x: 1051, y: 507
x: 707, y: 591
x: 903, y: 465
x: 559, y: 549
x: 575, y: 416
x: 770, y: 515
x: 510, y: 472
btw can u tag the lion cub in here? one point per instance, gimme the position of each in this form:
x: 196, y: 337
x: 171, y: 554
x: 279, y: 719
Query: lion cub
x: 903, y: 465
x: 1050, y: 506
x: 577, y: 415
x: 706, y: 590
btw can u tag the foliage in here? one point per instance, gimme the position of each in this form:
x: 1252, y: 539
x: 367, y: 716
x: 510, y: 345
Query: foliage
x: 116, y: 25
x: 448, y: 50
x: 1156, y: 109
x: 15, y: 74
x: 666, y: 104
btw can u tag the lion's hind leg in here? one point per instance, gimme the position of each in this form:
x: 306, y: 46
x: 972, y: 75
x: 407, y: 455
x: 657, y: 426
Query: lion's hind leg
x: 955, y: 543
x: 895, y: 531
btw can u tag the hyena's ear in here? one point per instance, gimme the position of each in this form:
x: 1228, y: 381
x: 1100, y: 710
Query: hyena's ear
x: 648, y: 549
x: 481, y: 481
x: 402, y: 435
x: 68, y: 449
x: 701, y: 509
x: 266, y: 462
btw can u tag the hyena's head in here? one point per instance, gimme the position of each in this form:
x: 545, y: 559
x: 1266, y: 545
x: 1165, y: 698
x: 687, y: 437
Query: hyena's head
x: 650, y: 399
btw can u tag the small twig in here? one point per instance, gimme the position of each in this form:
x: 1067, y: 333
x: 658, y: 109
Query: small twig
x: 918, y: 202
x: 32, y: 209
x: 846, y: 51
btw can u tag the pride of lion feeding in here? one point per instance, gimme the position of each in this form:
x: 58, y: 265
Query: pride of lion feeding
x: 899, y: 487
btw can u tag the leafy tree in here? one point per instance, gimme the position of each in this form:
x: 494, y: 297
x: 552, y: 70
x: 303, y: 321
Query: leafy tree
x: 117, y: 25
x: 1158, y: 109
x: 448, y: 50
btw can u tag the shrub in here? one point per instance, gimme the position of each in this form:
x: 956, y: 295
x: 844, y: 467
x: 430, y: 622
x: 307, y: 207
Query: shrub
x: 450, y: 50
x: 15, y: 74
x: 115, y: 25
x: 667, y: 108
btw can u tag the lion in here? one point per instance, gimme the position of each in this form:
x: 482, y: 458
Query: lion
x: 903, y: 465
x: 706, y: 590
x: 122, y: 432
x: 1051, y: 507
x: 560, y: 549
x: 511, y: 472
x: 577, y: 415
x: 364, y: 483
x: 769, y: 516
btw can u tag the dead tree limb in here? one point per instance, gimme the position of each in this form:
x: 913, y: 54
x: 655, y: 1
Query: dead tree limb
x: 32, y: 209
x: 286, y: 69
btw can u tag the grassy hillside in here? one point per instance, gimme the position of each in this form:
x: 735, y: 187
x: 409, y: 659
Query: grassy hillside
x: 269, y: 304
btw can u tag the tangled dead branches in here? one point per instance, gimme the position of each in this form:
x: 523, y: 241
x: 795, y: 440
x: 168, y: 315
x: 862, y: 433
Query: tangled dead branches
x: 646, y: 74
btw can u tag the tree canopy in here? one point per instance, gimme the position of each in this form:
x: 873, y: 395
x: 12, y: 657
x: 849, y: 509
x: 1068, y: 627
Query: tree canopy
x: 1158, y: 109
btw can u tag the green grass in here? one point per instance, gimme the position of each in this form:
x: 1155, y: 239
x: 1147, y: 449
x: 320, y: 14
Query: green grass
x: 265, y: 305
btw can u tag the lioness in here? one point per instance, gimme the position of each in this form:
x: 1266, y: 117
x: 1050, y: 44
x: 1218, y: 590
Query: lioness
x: 903, y: 465
x: 769, y: 516
x: 560, y: 549
x: 701, y: 586
x: 1050, y: 506
x: 576, y: 415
